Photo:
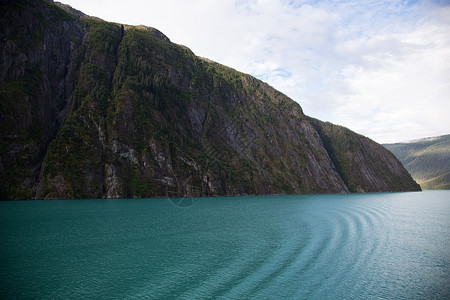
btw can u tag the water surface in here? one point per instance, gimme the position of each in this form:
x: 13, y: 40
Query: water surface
x: 391, y: 245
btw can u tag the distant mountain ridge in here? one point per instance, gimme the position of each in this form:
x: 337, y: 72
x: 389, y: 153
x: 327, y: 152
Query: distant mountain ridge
x: 427, y: 160
x: 92, y: 109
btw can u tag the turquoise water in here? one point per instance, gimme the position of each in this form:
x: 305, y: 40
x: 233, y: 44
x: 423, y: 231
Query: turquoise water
x: 362, y: 246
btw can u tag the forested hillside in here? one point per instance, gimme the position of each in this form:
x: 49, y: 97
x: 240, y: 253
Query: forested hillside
x: 427, y: 160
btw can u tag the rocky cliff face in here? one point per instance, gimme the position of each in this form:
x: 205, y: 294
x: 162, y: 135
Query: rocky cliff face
x: 91, y: 109
x: 38, y: 73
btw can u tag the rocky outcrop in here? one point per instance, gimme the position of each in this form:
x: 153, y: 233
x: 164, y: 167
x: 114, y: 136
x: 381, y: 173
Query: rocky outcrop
x: 92, y: 109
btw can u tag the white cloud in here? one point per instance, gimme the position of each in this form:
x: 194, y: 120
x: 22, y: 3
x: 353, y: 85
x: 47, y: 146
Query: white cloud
x: 382, y: 68
x: 400, y: 88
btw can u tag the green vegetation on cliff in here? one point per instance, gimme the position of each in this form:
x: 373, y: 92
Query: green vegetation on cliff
x: 120, y: 111
x: 428, y: 161
x: 352, y: 153
x: 37, y: 40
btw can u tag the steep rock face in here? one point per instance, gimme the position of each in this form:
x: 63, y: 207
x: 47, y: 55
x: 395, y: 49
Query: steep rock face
x: 38, y: 73
x: 364, y: 165
x: 144, y: 117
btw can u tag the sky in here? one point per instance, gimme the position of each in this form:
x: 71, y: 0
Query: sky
x: 380, y: 68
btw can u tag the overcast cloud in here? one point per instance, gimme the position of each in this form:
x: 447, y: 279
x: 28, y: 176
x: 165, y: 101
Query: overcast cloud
x: 381, y: 68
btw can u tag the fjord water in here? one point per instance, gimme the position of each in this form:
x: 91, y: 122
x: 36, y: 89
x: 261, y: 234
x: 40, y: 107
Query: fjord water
x: 391, y: 245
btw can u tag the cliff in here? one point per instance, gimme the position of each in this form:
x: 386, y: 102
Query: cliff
x: 91, y: 109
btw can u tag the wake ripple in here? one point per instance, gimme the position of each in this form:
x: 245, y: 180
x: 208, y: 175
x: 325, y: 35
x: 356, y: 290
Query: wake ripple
x: 341, y: 239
